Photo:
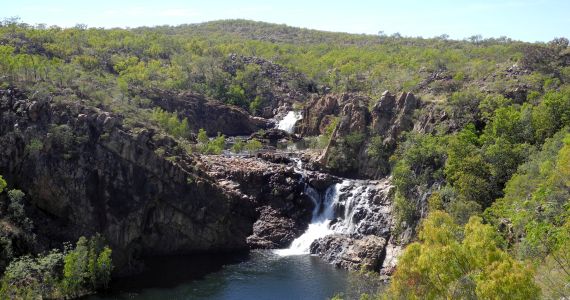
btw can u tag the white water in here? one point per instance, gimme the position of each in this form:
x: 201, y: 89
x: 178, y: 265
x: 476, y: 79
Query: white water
x: 341, y: 203
x: 288, y: 123
x: 323, y: 214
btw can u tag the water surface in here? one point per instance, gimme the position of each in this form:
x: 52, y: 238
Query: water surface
x: 261, y: 274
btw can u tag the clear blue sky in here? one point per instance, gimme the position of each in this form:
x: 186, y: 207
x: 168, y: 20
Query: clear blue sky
x: 528, y: 20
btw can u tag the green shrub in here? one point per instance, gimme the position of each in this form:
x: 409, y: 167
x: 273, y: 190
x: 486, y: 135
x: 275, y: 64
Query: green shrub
x: 3, y: 184
x: 451, y: 262
x: 35, y: 146
x: 170, y: 122
x: 238, y: 145
x: 253, y: 145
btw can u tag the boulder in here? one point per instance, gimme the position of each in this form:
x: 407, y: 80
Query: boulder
x: 349, y: 253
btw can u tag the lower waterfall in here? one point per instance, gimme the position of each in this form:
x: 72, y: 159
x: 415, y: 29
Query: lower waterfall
x: 353, y: 207
x: 323, y: 214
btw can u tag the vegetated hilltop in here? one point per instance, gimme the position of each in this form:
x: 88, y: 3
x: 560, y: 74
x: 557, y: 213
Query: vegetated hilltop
x: 101, y: 130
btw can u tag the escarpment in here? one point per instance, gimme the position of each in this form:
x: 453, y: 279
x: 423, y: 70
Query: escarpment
x: 85, y: 173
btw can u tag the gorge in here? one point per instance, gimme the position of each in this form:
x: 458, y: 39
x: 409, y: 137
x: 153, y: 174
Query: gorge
x: 238, y: 159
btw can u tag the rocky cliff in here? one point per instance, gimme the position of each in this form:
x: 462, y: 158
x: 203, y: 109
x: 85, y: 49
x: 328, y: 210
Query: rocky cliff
x: 211, y: 115
x: 364, y: 138
x: 85, y: 173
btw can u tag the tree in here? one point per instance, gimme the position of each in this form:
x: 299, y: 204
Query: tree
x: 455, y: 263
x: 87, y: 267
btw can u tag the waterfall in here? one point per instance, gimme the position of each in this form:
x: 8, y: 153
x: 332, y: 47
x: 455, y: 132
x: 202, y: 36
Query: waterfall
x: 288, y: 122
x: 349, y: 207
x: 323, y: 214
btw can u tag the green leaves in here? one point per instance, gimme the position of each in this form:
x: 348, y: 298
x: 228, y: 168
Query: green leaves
x: 454, y: 262
x: 170, y: 122
x: 3, y: 184
x: 70, y: 274
x: 87, y: 267
x: 207, y: 146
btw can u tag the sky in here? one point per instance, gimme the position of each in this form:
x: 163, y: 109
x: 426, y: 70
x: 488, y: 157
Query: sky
x: 527, y: 20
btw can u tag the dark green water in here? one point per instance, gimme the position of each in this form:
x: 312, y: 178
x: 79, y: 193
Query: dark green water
x: 257, y: 275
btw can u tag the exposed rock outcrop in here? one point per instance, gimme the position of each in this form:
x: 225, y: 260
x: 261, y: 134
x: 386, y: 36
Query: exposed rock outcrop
x: 273, y: 136
x: 349, y: 253
x: 87, y: 173
x: 212, y: 115
x: 347, y: 152
x: 391, y: 117
x: 318, y: 113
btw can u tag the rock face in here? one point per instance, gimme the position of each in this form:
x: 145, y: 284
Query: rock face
x: 214, y: 116
x: 352, y: 254
x: 86, y: 173
x: 389, y: 117
x: 362, y: 226
x: 318, y: 114
x: 272, y: 230
x: 276, y: 192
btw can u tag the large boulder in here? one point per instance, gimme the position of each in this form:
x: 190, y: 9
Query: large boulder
x: 349, y: 253
x: 318, y: 113
x: 273, y: 230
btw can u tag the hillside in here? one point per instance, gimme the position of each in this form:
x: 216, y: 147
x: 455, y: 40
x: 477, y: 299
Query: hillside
x: 165, y: 140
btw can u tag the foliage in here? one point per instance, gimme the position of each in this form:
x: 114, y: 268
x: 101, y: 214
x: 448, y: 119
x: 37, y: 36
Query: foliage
x: 213, y: 146
x: 342, y: 156
x: 87, y: 267
x: 3, y: 184
x: 535, y: 204
x: 553, y: 274
x: 253, y: 145
x: 30, y: 277
x: 418, y: 161
x: 170, y: 122
x: 57, y: 274
x: 238, y: 145
x: 35, y: 146
x: 453, y: 262
x: 124, y: 62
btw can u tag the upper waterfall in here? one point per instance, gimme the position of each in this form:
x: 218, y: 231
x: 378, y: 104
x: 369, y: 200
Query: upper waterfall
x: 288, y: 122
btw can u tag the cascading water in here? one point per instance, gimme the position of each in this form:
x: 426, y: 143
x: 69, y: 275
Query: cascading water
x: 349, y: 207
x: 323, y: 214
x: 288, y: 122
